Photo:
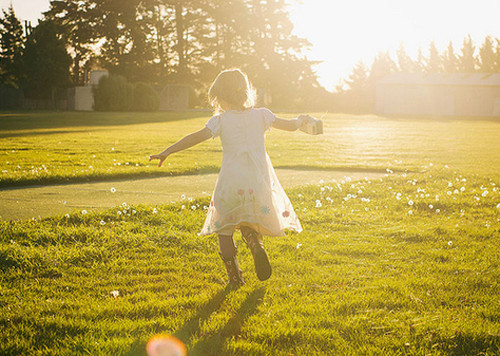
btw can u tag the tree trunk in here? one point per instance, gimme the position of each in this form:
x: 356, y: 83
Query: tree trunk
x: 179, y: 26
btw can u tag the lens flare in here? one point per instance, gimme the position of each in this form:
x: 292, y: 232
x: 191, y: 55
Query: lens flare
x: 165, y: 345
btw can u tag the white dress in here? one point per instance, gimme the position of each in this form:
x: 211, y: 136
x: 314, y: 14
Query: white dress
x: 247, y: 192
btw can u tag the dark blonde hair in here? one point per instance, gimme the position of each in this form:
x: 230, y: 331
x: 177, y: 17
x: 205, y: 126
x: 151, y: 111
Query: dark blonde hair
x: 233, y: 87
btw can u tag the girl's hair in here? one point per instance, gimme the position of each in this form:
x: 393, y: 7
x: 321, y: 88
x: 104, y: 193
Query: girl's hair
x: 233, y: 87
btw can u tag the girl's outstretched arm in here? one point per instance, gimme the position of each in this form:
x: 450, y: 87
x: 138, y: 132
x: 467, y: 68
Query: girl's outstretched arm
x: 184, y: 143
x: 289, y: 125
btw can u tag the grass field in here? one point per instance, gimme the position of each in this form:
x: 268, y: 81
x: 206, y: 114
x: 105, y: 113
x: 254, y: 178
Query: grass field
x: 404, y: 265
x: 60, y: 147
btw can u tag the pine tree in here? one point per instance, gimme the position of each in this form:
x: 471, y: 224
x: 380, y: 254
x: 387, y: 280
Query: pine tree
x: 487, y: 56
x: 497, y: 56
x: 466, y: 61
x: 358, y: 79
x: 12, y: 45
x: 449, y: 59
x: 405, y: 63
x: 433, y: 63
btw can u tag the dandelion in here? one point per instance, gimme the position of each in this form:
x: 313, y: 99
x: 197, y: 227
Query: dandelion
x: 450, y: 243
x: 438, y: 211
x: 318, y: 204
x: 462, y: 189
x: 431, y: 206
x: 155, y: 211
x: 450, y: 184
x: 102, y: 222
x: 298, y: 245
x: 410, y: 203
x: 124, y: 204
x: 113, y: 190
x: 115, y: 293
x: 84, y: 212
x: 193, y: 207
x: 455, y: 191
x: 183, y: 196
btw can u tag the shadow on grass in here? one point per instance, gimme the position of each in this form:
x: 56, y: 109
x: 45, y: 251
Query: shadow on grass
x: 31, y: 121
x: 215, y: 344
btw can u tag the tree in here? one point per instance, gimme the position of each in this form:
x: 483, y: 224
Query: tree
x: 449, y: 59
x: 466, y: 61
x: 358, y: 79
x: 405, y: 63
x: 12, y: 45
x: 381, y: 66
x: 433, y: 63
x: 46, y: 62
x: 497, y: 56
x: 487, y: 56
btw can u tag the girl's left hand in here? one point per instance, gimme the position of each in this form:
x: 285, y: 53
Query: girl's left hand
x: 161, y: 157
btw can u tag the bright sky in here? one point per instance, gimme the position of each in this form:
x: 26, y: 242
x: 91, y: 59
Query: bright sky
x: 345, y: 31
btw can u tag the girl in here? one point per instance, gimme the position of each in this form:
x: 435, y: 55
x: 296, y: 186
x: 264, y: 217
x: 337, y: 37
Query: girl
x: 247, y: 195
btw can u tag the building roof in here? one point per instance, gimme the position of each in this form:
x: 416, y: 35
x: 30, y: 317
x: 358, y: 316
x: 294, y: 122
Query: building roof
x: 452, y: 79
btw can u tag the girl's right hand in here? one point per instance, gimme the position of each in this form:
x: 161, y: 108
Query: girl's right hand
x: 162, y: 157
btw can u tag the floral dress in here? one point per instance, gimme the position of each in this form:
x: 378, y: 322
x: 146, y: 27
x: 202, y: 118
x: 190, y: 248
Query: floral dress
x: 247, y: 192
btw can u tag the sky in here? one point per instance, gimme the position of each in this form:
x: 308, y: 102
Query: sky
x: 343, y: 32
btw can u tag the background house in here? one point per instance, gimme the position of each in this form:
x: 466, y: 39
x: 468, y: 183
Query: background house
x: 454, y: 94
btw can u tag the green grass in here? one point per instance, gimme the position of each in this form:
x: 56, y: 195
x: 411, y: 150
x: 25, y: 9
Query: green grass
x: 38, y: 148
x: 374, y: 272
x: 365, y: 277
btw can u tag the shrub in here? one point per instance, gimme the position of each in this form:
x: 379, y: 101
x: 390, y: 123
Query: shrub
x: 145, y: 98
x: 113, y: 93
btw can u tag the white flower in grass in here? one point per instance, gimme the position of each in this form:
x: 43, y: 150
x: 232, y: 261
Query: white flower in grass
x: 450, y: 184
x: 450, y: 243
x: 410, y: 203
x: 84, y: 212
x: 298, y: 245
x: 119, y: 212
x: 403, y: 175
x: 462, y: 189
x: 183, y: 196
x: 133, y: 211
x: 102, y: 222
x: 498, y: 206
x: 410, y: 212
x: 67, y: 215
x: 448, y: 192
x: 455, y: 191
x: 113, y: 190
x: 485, y: 193
x: 431, y: 206
x: 318, y: 204
x: 115, y: 293
x: 124, y: 204
x: 193, y: 207
x: 438, y: 210
x: 446, y: 166
x: 183, y: 207
x: 155, y: 211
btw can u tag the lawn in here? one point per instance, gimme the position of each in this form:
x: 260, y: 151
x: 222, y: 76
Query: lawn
x: 403, y: 265
x: 67, y: 147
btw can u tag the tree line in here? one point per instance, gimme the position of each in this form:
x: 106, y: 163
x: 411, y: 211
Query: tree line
x: 358, y: 90
x: 160, y: 42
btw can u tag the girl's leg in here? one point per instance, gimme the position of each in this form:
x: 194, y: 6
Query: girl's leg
x: 228, y: 254
x: 261, y: 261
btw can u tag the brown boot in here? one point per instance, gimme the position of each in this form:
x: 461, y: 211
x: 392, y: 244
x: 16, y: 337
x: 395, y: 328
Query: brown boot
x: 234, y: 272
x: 254, y: 242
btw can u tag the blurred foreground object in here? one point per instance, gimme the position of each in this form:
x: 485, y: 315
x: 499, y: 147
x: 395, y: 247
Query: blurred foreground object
x: 312, y: 126
x: 165, y: 345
